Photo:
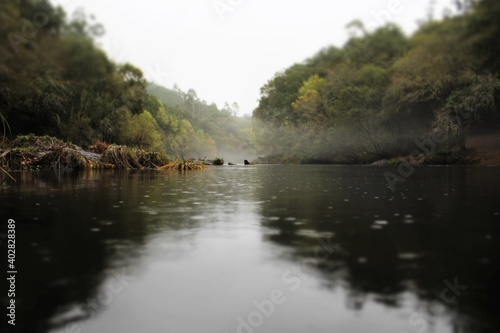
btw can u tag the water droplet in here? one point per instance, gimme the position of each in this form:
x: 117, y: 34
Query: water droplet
x: 408, y: 256
x: 484, y: 261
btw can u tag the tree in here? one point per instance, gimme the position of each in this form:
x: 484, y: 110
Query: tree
x: 310, y: 102
x: 440, y: 79
x: 484, y: 29
x: 277, y: 96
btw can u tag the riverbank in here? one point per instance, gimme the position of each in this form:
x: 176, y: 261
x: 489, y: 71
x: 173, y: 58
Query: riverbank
x: 483, y: 150
x: 30, y: 152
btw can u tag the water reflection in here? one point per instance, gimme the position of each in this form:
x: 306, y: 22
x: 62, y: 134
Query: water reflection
x: 173, y: 252
x: 442, y: 226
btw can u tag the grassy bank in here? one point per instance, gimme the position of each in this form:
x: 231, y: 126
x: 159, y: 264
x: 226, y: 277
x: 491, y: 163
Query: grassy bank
x: 30, y: 152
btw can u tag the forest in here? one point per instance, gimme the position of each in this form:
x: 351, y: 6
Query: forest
x: 57, y: 82
x: 382, y: 94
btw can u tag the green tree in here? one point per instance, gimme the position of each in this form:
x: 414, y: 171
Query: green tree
x: 310, y: 102
x: 484, y: 29
x: 439, y: 80
x: 277, y: 96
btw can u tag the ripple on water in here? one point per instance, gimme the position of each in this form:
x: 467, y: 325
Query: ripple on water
x: 314, y: 233
x: 408, y: 255
x: 408, y: 219
x: 362, y: 260
x: 105, y: 222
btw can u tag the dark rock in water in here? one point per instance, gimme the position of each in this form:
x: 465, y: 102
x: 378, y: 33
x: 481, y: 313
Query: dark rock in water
x: 231, y: 163
x: 247, y: 163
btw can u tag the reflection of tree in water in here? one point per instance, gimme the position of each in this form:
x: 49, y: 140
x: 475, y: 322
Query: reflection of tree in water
x: 412, y: 247
x: 73, y: 233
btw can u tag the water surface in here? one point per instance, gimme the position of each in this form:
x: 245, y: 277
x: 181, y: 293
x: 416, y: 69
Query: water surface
x: 257, y: 249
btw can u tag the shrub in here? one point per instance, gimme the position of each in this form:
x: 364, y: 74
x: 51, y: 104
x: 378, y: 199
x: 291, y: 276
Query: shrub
x: 218, y: 161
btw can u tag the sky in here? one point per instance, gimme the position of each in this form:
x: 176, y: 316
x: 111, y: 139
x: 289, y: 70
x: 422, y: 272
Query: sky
x: 226, y: 50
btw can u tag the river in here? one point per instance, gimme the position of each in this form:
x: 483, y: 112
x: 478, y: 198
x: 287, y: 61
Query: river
x: 256, y: 249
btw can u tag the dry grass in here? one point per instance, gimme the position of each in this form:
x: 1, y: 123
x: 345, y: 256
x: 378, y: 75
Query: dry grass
x: 133, y: 158
x: 69, y: 159
x: 183, y: 166
x: 31, y: 152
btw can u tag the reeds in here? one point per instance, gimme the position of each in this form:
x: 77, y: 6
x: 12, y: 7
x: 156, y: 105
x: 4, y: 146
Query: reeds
x: 123, y: 157
x: 69, y: 159
x: 181, y: 165
x: 32, y: 152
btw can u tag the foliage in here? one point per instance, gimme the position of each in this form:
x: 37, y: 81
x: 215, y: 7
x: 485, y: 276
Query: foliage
x: 195, y: 128
x: 382, y: 92
x: 56, y: 81
x: 182, y: 166
x: 133, y: 158
x: 218, y: 161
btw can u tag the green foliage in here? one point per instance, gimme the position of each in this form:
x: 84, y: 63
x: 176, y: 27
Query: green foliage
x: 58, y: 82
x: 278, y: 94
x: 133, y: 158
x: 218, y: 161
x: 382, y: 91
x: 484, y: 31
x: 195, y: 128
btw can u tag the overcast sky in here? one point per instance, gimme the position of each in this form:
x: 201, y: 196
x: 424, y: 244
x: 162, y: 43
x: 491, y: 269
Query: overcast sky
x: 227, y: 49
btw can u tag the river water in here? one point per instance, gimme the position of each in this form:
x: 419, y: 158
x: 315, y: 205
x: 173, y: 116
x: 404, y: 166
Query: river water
x: 256, y: 249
